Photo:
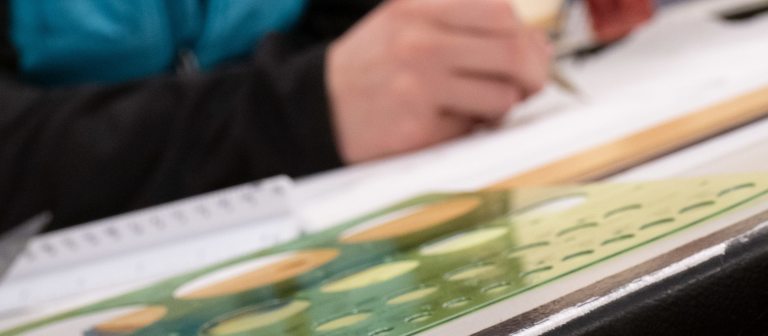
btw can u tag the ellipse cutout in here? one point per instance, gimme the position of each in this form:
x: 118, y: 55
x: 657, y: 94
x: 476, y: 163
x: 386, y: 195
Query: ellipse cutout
x: 255, y: 274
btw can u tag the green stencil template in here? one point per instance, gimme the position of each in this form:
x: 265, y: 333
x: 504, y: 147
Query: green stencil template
x: 416, y: 264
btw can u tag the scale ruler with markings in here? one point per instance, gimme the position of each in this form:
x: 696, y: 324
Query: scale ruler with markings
x: 152, y: 243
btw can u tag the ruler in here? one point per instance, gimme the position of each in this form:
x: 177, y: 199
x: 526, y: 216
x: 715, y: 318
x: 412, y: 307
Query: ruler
x: 14, y: 242
x: 152, y: 243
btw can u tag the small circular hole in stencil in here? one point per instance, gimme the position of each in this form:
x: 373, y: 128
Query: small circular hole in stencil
x: 457, y: 302
x: 497, y: 288
x: 575, y: 228
x: 578, y: 255
x: 618, y: 239
x: 370, y: 276
x: 255, y: 317
x: 471, y: 272
x: 413, y: 295
x: 657, y: 223
x: 622, y: 210
x: 418, y: 317
x: 410, y: 220
x: 381, y: 332
x: 515, y: 251
x: 535, y: 271
x: 697, y: 206
x: 255, y: 273
x: 462, y: 241
x: 553, y: 205
x: 343, y: 322
x: 115, y: 321
x: 735, y: 189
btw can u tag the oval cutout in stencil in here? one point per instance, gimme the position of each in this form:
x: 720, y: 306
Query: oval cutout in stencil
x: 412, y: 295
x: 471, y: 272
x: 381, y: 332
x: 578, y: 255
x: 517, y: 250
x: 535, y: 271
x: 255, y: 273
x: 410, y: 220
x: 697, y: 206
x: 343, y: 322
x: 731, y: 190
x: 575, y: 228
x: 462, y: 241
x: 418, y: 317
x: 130, y: 322
x: 552, y: 205
x: 255, y: 317
x: 457, y: 302
x: 622, y: 210
x: 497, y: 288
x: 657, y: 223
x: 370, y: 276
x: 117, y: 321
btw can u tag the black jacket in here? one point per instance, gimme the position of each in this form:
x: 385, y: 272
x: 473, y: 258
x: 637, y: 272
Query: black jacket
x: 87, y: 152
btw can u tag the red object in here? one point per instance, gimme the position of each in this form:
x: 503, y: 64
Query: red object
x: 614, y: 19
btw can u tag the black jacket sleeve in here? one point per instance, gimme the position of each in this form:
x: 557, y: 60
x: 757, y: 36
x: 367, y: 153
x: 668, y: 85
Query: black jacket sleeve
x: 92, y: 151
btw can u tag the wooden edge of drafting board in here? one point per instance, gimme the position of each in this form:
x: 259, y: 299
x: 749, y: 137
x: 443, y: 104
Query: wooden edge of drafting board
x: 643, y: 146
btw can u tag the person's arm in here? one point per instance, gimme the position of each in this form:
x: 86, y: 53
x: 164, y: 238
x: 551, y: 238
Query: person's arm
x: 88, y: 152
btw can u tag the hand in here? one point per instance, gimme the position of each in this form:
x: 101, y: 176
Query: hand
x: 614, y: 19
x: 417, y: 72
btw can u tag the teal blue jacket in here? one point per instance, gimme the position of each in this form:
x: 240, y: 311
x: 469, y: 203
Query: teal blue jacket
x: 107, y: 41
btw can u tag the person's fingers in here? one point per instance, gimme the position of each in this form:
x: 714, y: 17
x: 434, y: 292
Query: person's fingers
x: 487, y: 16
x: 532, y: 71
x: 543, y: 43
x: 482, y: 54
x: 543, y: 51
x: 517, y: 59
x: 487, y: 99
x: 448, y: 127
x: 536, y: 59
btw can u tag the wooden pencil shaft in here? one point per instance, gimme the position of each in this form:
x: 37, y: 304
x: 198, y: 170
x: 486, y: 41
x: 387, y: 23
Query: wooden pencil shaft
x: 614, y: 157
